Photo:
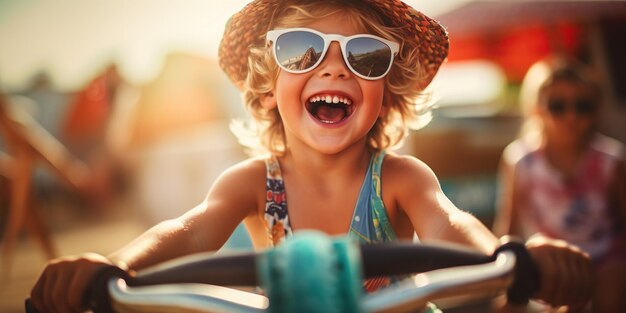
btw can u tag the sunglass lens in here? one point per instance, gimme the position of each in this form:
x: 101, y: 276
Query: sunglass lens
x: 556, y: 106
x: 298, y: 50
x: 584, y: 106
x: 369, y: 57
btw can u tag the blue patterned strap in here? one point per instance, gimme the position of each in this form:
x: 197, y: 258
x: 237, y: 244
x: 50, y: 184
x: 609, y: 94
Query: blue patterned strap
x: 384, y: 231
x: 276, y: 213
x: 370, y: 222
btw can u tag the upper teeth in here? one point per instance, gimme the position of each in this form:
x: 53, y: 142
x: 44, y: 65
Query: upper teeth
x: 331, y: 99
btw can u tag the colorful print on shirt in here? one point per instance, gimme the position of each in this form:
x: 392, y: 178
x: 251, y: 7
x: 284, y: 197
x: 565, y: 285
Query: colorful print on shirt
x: 370, y: 223
x: 276, y: 215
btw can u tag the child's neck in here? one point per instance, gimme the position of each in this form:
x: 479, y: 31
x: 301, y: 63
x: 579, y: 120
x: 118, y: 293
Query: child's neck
x: 566, y: 157
x: 312, y: 163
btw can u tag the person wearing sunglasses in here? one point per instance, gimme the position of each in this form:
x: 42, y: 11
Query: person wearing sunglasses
x: 331, y: 87
x: 564, y: 179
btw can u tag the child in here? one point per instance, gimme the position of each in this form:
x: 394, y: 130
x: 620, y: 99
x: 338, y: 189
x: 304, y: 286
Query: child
x: 563, y: 179
x: 327, y: 107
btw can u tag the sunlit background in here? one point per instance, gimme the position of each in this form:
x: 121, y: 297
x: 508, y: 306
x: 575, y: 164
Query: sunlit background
x: 132, y: 91
x: 71, y: 39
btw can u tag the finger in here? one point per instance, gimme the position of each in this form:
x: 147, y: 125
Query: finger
x: 577, y: 282
x: 47, y: 296
x: 573, y: 278
x: 565, y: 278
x: 590, y: 277
x: 586, y: 273
x: 548, y: 283
x: 36, y: 294
x: 76, y: 293
x: 579, y: 277
x: 60, y: 293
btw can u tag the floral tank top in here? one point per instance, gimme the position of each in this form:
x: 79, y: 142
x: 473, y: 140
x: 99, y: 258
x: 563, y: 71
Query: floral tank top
x: 574, y: 208
x: 370, y: 222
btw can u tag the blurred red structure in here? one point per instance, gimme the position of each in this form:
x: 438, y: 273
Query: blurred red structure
x: 515, y: 34
x: 88, y: 114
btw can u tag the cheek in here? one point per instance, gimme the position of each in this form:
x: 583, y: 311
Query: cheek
x: 376, y: 89
x: 568, y: 128
x: 374, y: 94
x: 583, y: 125
x: 288, y: 87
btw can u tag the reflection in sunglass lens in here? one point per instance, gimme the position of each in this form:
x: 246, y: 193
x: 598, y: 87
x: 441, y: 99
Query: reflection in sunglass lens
x: 369, y: 57
x: 298, y: 50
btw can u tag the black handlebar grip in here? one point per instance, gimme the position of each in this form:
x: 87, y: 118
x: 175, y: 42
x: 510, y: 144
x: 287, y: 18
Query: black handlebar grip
x: 29, y: 307
x: 526, y: 281
x: 401, y: 258
x: 97, y: 296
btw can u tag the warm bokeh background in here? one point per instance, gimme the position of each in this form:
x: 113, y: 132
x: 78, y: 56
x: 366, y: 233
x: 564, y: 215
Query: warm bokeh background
x: 128, y: 94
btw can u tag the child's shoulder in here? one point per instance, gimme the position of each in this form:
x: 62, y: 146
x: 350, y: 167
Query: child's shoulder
x: 404, y: 169
x: 411, y: 185
x: 249, y: 166
x: 609, y: 146
x: 394, y: 161
x: 248, y: 171
x: 521, y: 148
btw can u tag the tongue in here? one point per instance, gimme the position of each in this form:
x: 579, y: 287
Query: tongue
x: 332, y: 114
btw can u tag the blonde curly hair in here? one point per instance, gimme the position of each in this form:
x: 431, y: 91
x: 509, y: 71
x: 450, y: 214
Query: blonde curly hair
x: 409, y: 106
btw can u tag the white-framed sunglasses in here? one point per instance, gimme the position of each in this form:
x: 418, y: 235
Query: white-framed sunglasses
x: 299, y: 50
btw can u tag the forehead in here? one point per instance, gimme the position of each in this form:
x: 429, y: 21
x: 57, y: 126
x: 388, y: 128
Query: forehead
x: 327, y: 17
x: 567, y: 89
x: 340, y: 23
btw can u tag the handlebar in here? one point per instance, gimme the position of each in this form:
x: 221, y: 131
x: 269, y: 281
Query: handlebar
x: 313, y: 259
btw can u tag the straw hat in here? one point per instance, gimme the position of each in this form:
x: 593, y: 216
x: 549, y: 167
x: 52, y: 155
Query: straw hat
x: 247, y: 28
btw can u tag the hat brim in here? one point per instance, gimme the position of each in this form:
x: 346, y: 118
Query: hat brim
x: 245, y: 29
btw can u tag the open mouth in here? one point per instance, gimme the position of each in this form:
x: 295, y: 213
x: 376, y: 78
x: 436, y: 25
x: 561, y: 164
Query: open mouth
x: 330, y: 109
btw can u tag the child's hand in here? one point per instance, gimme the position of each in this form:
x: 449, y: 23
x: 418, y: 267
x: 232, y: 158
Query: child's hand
x: 565, y: 270
x: 62, y: 284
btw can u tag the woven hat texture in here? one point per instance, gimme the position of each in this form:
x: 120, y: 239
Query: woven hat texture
x: 247, y: 28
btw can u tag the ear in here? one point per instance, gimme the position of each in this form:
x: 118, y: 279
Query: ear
x: 387, y: 100
x: 268, y: 101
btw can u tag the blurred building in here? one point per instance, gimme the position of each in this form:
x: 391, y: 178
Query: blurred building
x: 175, y: 136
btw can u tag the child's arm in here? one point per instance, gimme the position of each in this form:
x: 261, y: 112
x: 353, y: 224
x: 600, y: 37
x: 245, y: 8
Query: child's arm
x: 506, y: 220
x: 203, y: 228
x: 433, y: 216
x: 565, y: 271
x: 61, y: 286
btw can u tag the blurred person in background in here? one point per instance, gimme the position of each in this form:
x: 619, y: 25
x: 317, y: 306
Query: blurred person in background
x: 563, y: 179
x: 29, y: 144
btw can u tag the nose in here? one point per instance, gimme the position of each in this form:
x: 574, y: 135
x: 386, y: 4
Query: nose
x: 333, y: 65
